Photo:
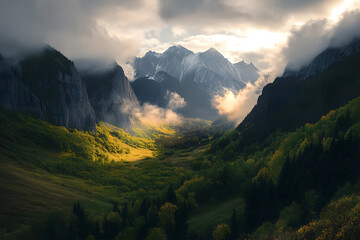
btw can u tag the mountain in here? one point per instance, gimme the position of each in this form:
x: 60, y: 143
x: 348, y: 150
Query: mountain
x: 146, y: 66
x: 149, y: 91
x: 109, y: 90
x: 210, y: 68
x: 171, y: 61
x: 48, y: 86
x: 168, y: 61
x: 198, y: 100
x: 212, y: 71
x: 248, y: 71
x: 197, y: 77
x: 296, y: 98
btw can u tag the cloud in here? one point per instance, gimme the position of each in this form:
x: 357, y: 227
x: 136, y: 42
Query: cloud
x: 305, y: 43
x: 154, y: 115
x: 236, y: 106
x: 347, y: 29
x: 78, y: 28
x: 129, y: 71
x: 305, y: 4
x: 175, y: 101
x: 178, y: 31
x: 309, y: 40
x: 205, y: 13
x: 149, y: 114
x: 270, y: 14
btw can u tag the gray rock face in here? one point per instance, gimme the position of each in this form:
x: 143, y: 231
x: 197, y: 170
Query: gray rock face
x: 171, y: 61
x: 146, y: 66
x: 248, y: 71
x: 212, y: 71
x: 48, y: 86
x: 168, y: 61
x: 110, y: 92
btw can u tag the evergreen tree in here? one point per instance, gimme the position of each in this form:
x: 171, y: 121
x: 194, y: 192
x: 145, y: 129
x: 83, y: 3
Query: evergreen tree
x: 171, y: 196
x: 124, y: 214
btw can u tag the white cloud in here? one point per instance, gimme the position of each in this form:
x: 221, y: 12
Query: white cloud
x: 178, y: 31
x: 236, y: 106
x: 148, y: 114
x: 175, y: 101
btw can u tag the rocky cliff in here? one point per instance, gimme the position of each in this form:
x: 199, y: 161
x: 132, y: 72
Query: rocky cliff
x: 48, y: 86
x: 109, y: 93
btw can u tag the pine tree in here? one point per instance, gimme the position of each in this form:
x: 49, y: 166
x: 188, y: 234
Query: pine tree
x: 234, y: 225
x: 125, y: 214
x: 115, y: 207
x: 171, y: 196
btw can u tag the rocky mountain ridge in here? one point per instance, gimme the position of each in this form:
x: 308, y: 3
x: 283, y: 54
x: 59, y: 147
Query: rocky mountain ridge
x: 47, y: 85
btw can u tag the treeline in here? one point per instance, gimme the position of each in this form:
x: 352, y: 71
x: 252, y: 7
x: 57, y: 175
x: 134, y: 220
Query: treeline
x: 161, y: 218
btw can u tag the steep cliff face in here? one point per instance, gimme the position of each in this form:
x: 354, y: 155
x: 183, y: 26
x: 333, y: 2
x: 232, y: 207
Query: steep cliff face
x: 48, y: 86
x: 110, y: 92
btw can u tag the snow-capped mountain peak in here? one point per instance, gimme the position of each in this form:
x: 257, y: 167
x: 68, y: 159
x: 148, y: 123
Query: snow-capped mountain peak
x: 209, y: 68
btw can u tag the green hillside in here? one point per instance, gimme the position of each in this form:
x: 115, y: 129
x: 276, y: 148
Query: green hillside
x: 262, y: 193
x: 45, y: 167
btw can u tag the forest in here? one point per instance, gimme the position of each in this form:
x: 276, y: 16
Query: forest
x: 292, y: 185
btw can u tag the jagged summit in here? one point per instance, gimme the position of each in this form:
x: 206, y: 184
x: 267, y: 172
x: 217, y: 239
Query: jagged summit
x: 212, y: 50
x: 209, y: 68
x: 248, y: 71
x: 177, y: 48
x: 197, y: 77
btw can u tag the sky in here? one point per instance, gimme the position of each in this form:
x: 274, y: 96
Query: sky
x: 256, y: 31
x: 272, y: 34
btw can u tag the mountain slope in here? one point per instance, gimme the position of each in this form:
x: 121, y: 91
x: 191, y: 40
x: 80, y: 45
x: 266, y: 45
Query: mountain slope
x: 48, y: 86
x: 109, y: 91
x: 292, y: 100
x: 149, y: 91
x: 212, y: 71
x: 197, y: 77
x: 168, y: 61
x: 249, y: 72
x: 198, y: 100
